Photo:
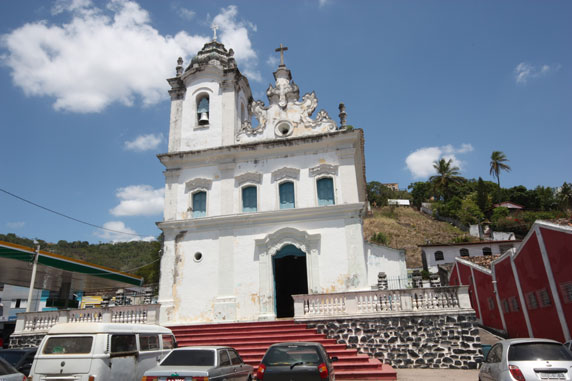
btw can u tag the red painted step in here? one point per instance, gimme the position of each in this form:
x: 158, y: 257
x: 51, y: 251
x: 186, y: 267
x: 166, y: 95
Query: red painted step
x: 252, y: 339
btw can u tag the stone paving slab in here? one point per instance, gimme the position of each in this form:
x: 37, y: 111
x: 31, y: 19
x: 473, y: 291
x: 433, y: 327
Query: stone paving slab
x: 437, y: 375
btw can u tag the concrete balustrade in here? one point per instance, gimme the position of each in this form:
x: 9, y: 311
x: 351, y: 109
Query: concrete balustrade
x: 38, y: 323
x: 414, y: 301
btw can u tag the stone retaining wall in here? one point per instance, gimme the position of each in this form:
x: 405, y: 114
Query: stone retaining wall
x: 430, y: 341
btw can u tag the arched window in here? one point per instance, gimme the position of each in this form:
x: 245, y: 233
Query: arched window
x: 286, y: 190
x: 487, y: 251
x: 203, y: 111
x: 249, y: 199
x: 464, y: 252
x: 325, y: 191
x: 439, y: 255
x: 199, y: 204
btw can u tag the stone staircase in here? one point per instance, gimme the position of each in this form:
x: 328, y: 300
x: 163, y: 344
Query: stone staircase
x: 252, y: 339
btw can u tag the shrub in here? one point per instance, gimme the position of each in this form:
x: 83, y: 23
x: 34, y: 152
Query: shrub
x: 380, y: 238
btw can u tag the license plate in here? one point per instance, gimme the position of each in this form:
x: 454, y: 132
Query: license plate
x: 175, y: 378
x: 552, y: 376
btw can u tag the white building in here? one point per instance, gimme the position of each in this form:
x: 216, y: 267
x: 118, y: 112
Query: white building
x: 257, y: 212
x: 437, y: 254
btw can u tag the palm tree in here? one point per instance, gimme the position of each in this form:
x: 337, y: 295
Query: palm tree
x: 498, y: 159
x: 446, y: 174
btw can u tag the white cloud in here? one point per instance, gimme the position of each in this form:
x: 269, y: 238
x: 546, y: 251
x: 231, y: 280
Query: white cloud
x: 420, y: 162
x: 139, y: 200
x: 272, y: 61
x: 525, y: 72
x: 106, y: 55
x: 234, y: 34
x: 187, y: 14
x: 322, y: 3
x: 15, y: 225
x: 144, y: 143
x: 120, y: 233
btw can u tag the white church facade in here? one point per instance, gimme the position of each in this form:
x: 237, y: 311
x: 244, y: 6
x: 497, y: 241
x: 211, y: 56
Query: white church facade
x: 256, y: 213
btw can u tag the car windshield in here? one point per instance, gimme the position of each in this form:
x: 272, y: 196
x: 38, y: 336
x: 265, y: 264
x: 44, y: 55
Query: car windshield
x: 538, y: 352
x: 68, y: 345
x: 292, y: 354
x: 195, y: 357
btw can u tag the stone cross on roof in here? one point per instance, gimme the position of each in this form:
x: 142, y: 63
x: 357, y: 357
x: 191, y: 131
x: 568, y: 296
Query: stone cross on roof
x: 214, y: 27
x: 281, y: 49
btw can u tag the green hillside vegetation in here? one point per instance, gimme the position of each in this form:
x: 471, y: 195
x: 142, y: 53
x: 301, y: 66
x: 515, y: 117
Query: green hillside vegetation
x: 406, y: 228
x: 137, y: 257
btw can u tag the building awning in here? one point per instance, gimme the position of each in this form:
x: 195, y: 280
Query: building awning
x: 54, y: 270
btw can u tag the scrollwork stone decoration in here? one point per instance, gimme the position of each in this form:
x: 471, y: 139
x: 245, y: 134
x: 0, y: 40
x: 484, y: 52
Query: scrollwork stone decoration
x: 259, y: 111
x: 307, y: 106
x: 198, y: 183
x: 285, y: 173
x: 248, y: 177
x: 324, y: 169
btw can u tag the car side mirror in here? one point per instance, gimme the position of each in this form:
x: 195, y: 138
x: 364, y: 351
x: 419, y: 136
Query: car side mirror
x: 334, y: 358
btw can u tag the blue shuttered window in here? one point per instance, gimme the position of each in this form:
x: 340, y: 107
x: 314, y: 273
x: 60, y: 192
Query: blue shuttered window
x: 199, y: 204
x: 325, y: 191
x: 249, y: 199
x: 287, y: 195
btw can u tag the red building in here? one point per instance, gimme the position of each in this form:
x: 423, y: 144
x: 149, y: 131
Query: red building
x: 525, y: 292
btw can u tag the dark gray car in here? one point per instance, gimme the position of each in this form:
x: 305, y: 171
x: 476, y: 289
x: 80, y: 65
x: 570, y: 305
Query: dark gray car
x: 527, y: 359
x: 208, y: 363
x: 296, y: 361
x: 9, y: 373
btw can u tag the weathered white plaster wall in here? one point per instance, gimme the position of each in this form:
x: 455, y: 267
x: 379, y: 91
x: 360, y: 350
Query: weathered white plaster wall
x: 384, y: 259
x: 230, y: 267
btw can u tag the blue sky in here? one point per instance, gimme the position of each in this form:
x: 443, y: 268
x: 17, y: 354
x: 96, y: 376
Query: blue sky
x: 84, y: 105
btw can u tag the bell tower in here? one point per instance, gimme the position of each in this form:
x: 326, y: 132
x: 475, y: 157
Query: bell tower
x: 209, y: 100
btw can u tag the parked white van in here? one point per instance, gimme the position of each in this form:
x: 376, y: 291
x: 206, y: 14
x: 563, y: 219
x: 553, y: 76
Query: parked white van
x: 100, y: 351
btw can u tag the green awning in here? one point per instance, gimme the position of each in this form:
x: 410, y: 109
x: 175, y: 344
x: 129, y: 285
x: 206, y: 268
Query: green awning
x: 53, y: 270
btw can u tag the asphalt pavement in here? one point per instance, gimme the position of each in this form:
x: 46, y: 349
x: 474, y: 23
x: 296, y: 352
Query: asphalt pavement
x: 437, y: 375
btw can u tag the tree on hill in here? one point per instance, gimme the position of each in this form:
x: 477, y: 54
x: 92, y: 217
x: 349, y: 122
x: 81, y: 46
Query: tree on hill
x: 564, y: 196
x: 447, y: 174
x: 498, y: 160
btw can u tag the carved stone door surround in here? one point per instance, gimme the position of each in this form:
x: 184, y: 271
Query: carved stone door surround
x: 269, y: 246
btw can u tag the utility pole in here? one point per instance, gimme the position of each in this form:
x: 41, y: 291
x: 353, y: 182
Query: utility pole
x: 33, y: 280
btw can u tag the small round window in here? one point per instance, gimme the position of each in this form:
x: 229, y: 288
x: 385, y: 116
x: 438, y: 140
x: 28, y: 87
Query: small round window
x: 198, y: 257
x: 283, y: 129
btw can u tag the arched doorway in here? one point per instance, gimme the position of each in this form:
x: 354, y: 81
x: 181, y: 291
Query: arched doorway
x: 290, y: 278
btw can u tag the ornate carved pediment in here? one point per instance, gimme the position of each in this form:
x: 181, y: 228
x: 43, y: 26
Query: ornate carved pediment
x: 198, y: 183
x: 248, y: 177
x: 285, y: 173
x: 324, y: 169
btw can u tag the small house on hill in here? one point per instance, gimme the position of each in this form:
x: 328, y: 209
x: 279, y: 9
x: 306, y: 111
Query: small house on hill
x: 434, y: 255
x: 509, y: 205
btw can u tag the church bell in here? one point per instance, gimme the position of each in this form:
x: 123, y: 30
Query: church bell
x: 203, y: 118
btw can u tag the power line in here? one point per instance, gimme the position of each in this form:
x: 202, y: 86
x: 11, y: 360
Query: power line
x: 66, y: 216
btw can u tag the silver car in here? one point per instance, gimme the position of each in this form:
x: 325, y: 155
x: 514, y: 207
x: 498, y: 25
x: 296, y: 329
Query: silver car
x: 9, y: 373
x: 201, y: 363
x: 527, y: 359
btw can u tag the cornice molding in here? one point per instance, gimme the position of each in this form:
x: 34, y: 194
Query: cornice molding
x: 264, y: 218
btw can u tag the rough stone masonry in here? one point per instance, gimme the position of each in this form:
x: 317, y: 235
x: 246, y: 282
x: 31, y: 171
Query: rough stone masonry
x: 429, y: 341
